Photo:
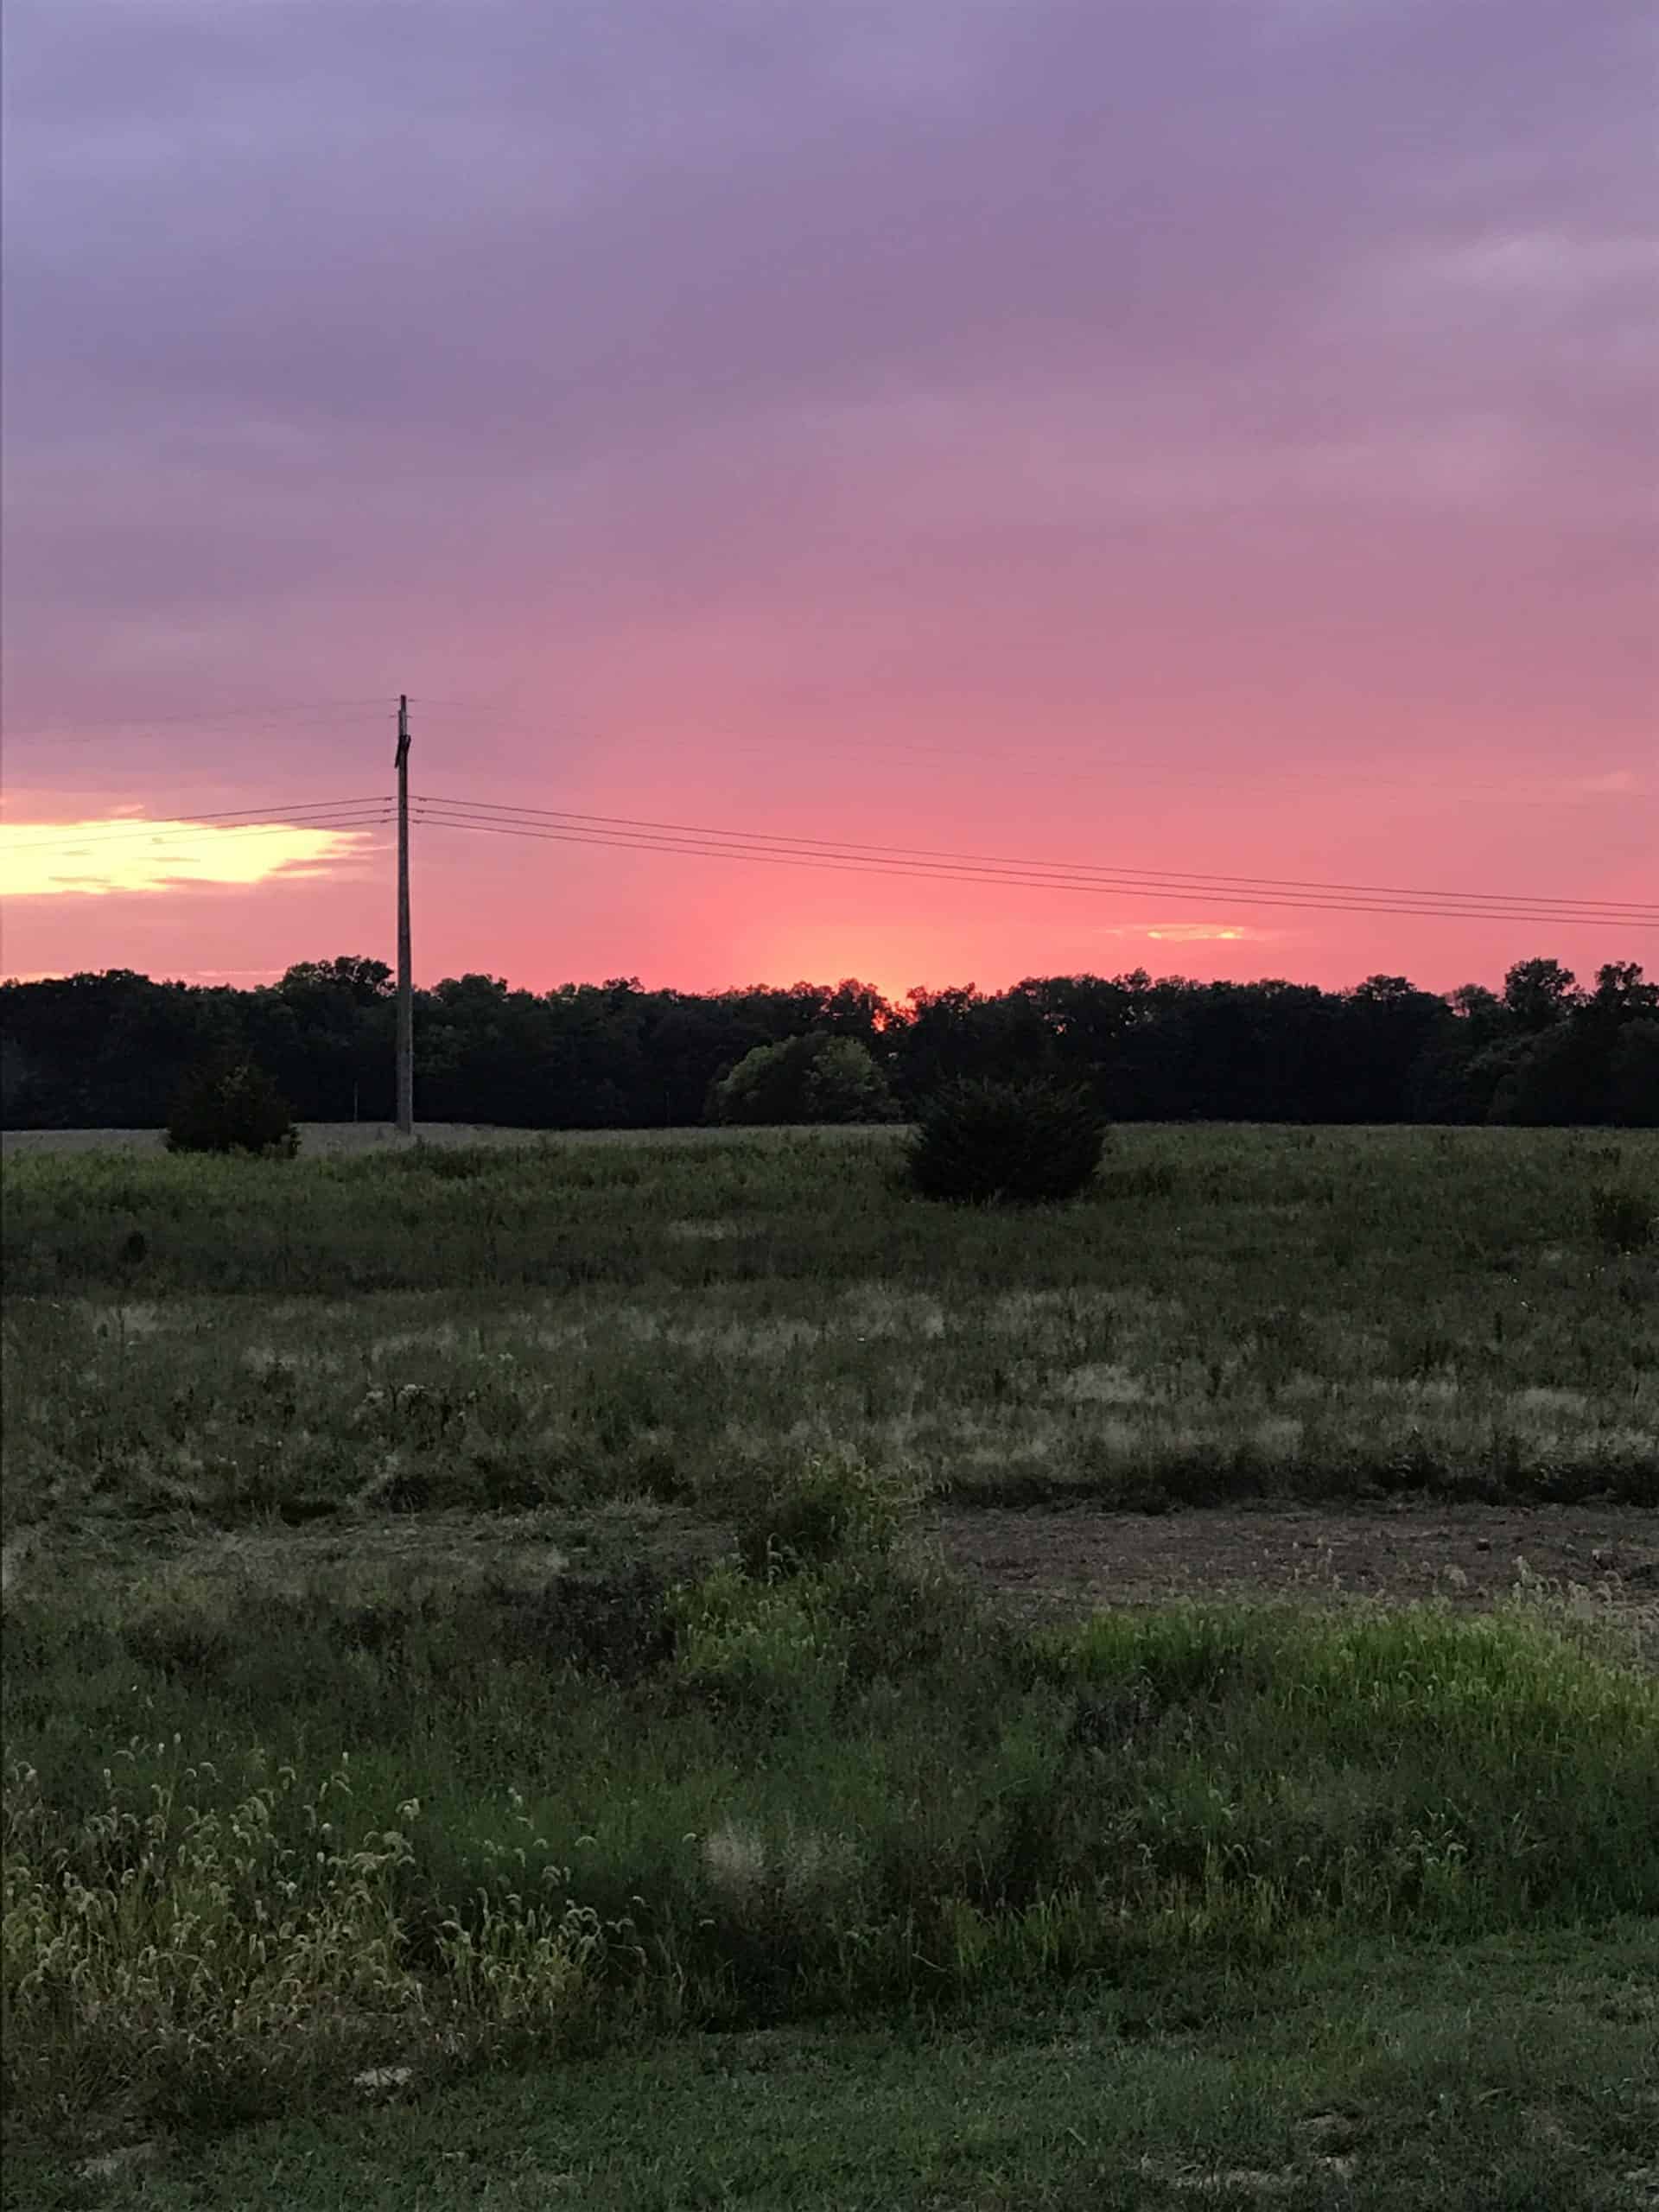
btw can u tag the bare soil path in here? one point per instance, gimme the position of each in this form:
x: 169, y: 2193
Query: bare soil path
x: 1077, y: 1557
x: 1047, y: 1560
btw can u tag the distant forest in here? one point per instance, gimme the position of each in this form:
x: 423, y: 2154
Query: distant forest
x: 111, y: 1050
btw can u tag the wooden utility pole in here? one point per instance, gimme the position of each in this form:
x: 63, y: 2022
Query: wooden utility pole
x: 405, y: 982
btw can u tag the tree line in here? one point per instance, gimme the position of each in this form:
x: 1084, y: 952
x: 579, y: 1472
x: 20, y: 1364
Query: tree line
x: 111, y: 1050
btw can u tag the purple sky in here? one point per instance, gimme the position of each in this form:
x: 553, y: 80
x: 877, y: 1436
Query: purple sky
x: 1213, y: 435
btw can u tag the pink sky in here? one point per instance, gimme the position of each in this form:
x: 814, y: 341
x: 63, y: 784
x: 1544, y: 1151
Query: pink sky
x: 1217, y: 438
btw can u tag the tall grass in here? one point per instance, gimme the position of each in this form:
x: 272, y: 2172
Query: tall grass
x: 349, y: 1833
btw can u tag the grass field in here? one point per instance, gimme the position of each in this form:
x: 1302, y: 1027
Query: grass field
x: 1231, y: 1312
x: 488, y: 1721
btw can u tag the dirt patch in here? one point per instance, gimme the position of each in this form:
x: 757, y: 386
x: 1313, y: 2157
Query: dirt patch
x: 1077, y: 1557
x: 1046, y: 1559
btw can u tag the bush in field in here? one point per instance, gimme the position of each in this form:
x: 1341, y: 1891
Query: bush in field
x: 1017, y: 1143
x: 803, y: 1079
x: 1622, y: 1220
x: 233, y: 1110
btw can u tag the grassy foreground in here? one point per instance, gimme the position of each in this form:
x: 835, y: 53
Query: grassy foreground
x: 490, y: 1830
x: 449, y: 1833
x: 799, y: 1873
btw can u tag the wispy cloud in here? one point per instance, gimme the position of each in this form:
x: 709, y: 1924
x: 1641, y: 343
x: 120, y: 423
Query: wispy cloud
x: 1617, y: 782
x: 1191, y: 933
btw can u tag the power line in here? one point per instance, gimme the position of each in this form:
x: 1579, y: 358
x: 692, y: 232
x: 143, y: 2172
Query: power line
x: 478, y: 700
x: 176, y: 834
x: 1186, y: 895
x: 1139, y: 879
x: 708, y: 846
x: 238, y: 813
x: 627, y: 833
x: 303, y: 813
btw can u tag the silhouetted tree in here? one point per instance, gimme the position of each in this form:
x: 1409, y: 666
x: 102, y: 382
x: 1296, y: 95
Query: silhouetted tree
x: 1540, y: 993
x: 1622, y: 993
x: 111, y: 1049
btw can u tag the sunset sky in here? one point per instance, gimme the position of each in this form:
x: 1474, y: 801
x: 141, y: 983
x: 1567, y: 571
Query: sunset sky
x: 1205, y: 436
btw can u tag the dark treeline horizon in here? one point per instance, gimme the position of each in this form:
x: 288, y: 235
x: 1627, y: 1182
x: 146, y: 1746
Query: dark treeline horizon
x: 111, y: 1050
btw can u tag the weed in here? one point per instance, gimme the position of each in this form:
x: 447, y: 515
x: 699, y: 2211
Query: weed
x: 823, y: 1504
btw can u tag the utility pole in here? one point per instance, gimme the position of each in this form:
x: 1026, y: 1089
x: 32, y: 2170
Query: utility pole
x: 405, y: 983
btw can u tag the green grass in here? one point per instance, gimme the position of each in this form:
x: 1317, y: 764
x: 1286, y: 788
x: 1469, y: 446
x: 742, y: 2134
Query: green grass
x: 741, y: 1854
x: 1490, y: 2078
x: 1230, y: 1313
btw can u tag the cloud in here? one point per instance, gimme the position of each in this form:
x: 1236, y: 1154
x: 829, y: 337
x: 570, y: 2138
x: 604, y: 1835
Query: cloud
x: 95, y: 859
x: 1549, y: 270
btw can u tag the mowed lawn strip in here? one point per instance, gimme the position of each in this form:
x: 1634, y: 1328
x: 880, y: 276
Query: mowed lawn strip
x: 1504, y: 2077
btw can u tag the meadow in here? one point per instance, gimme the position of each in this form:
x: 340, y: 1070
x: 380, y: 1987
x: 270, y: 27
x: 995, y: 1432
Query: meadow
x: 488, y: 1721
x: 1228, y: 1314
